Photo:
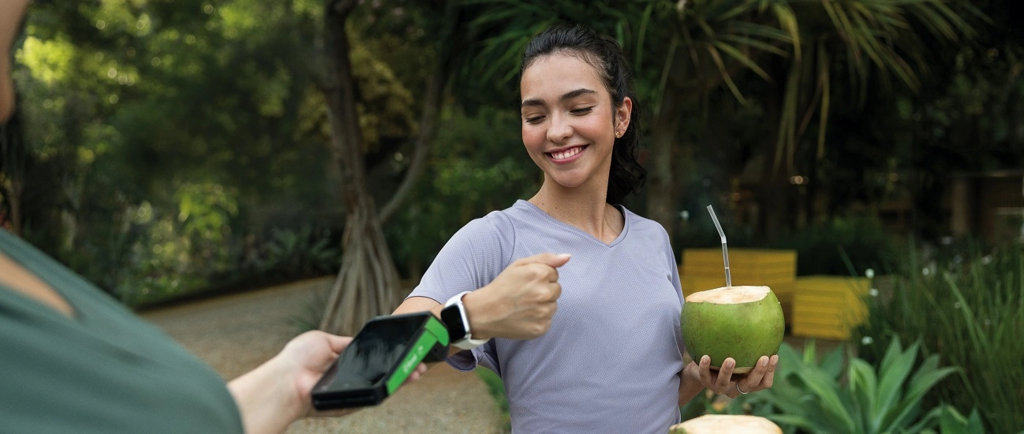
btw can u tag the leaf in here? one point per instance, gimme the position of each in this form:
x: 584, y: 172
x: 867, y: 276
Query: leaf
x: 832, y: 363
x: 754, y: 43
x: 787, y: 20
x: 890, y: 354
x: 892, y: 375
x: 793, y: 420
x: 863, y: 385
x: 926, y: 378
x: 725, y: 74
x: 824, y: 78
x: 742, y: 58
x: 827, y: 392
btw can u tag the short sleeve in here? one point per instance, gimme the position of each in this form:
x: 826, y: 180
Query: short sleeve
x: 470, y: 260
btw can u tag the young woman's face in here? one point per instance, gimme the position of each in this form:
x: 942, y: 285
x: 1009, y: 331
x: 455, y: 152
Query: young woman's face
x: 569, y: 121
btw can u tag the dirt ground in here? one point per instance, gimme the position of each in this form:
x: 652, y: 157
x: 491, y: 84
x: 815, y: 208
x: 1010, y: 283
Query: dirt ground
x: 236, y: 333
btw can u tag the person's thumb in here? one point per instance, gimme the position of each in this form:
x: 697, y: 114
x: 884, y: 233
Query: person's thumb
x: 550, y: 259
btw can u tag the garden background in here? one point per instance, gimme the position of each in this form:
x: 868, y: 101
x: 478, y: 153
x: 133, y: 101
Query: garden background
x: 171, y: 150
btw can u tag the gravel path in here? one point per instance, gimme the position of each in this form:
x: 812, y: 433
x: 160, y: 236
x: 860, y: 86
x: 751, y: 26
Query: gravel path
x: 237, y: 333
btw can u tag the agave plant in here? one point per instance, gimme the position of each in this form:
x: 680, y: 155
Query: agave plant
x: 816, y: 397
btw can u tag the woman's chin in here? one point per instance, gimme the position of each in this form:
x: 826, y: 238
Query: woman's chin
x: 568, y: 181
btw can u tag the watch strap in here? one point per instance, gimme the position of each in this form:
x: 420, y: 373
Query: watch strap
x: 467, y: 342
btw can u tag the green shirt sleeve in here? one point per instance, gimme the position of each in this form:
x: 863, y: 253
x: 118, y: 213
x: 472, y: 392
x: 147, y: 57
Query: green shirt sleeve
x: 103, y: 371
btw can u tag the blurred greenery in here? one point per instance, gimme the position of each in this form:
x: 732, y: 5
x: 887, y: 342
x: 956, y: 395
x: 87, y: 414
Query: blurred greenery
x: 838, y: 394
x: 967, y: 308
x: 497, y: 389
x: 163, y: 148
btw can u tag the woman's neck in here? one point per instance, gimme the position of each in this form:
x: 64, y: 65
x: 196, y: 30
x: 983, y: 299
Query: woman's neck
x: 583, y: 207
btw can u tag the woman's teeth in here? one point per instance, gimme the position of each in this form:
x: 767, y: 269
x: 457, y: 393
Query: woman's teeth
x: 561, y: 155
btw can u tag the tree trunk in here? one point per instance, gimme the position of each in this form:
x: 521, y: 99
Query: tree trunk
x: 367, y: 281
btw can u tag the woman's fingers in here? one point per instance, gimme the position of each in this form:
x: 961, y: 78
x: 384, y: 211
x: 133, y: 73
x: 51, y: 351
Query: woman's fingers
x: 769, y: 377
x: 723, y: 383
x: 705, y: 372
x: 753, y: 380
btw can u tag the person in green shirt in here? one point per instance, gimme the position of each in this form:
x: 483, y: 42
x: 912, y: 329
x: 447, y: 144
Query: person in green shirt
x: 73, y: 359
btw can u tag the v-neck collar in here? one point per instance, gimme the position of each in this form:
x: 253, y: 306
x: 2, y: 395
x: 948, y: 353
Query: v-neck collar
x: 582, y: 233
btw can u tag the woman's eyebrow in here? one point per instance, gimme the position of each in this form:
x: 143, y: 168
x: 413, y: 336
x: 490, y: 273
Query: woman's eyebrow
x: 567, y: 96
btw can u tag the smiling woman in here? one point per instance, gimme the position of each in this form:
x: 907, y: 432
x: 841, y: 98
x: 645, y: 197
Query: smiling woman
x: 611, y: 359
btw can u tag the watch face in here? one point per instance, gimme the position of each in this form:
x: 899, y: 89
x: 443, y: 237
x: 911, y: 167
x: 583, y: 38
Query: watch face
x: 452, y: 318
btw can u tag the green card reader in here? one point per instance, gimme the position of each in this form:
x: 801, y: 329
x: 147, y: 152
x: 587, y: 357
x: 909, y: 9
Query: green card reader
x: 380, y: 358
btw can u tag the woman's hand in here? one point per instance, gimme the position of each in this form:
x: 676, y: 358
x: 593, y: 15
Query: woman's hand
x: 724, y: 382
x: 520, y: 302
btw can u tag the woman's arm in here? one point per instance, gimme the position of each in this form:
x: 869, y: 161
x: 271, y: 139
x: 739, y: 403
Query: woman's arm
x: 518, y: 304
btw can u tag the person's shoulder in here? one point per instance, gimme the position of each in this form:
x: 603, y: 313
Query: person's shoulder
x: 641, y: 223
x: 493, y: 230
x: 494, y: 222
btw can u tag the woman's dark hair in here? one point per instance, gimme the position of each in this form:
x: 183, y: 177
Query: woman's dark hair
x: 605, y: 55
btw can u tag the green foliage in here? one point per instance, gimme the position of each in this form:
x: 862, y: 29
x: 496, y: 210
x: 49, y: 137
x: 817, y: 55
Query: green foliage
x: 823, y: 397
x: 478, y: 166
x: 296, y: 254
x: 843, y: 246
x: 967, y: 309
x: 497, y: 389
x: 205, y: 116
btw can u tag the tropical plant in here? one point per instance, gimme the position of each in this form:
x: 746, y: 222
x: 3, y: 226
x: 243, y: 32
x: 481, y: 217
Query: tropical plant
x: 297, y: 254
x: 817, y: 396
x: 967, y: 309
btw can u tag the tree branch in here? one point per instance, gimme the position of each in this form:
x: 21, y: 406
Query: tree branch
x: 428, y: 120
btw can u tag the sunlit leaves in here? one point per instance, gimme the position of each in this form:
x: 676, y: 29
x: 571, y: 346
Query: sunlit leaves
x: 48, y: 61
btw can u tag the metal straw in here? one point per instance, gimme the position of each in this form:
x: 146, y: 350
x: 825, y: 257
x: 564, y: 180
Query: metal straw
x: 725, y: 249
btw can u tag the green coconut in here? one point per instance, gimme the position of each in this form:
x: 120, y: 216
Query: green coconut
x: 742, y: 322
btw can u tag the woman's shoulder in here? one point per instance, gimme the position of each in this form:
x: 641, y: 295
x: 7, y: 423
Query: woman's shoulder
x: 640, y: 223
x: 493, y: 232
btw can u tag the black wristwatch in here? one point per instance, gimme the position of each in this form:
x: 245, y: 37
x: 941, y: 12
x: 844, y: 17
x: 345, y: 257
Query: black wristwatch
x: 454, y: 317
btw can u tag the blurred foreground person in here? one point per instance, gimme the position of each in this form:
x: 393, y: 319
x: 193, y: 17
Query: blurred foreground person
x: 74, y: 360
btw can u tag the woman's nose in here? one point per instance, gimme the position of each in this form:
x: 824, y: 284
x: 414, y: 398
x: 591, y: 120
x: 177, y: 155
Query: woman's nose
x: 559, y: 130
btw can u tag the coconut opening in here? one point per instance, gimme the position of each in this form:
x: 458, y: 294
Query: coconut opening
x: 730, y: 295
x: 727, y: 424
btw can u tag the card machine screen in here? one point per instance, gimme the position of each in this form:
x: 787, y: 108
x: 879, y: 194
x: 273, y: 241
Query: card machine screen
x: 370, y: 356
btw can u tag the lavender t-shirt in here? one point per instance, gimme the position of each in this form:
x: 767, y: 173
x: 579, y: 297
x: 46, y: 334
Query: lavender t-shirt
x: 611, y: 360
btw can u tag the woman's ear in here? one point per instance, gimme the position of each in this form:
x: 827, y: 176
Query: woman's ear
x: 622, y: 116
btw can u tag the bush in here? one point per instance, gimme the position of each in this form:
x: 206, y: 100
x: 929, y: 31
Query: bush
x: 843, y: 246
x: 822, y: 397
x: 967, y: 308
